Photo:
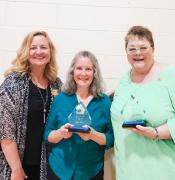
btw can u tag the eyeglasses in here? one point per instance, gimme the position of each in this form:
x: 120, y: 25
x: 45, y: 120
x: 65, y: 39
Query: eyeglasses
x: 134, y: 50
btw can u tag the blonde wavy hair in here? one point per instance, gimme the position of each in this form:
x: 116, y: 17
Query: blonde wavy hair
x: 97, y: 86
x: 21, y: 65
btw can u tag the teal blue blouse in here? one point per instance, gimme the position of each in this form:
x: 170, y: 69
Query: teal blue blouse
x: 75, y: 157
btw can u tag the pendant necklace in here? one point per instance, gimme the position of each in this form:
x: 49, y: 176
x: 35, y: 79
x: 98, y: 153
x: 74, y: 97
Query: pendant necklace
x: 44, y: 102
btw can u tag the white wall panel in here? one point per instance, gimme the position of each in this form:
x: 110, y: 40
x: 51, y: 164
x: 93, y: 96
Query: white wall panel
x: 71, y: 41
x: 2, y: 12
x: 116, y: 18
x: 31, y: 14
x: 156, y: 4
x: 5, y: 61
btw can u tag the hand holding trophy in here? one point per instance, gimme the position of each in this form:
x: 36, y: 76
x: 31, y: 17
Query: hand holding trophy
x: 79, y: 119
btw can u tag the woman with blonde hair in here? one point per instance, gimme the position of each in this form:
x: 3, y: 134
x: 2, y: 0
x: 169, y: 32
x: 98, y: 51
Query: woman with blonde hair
x: 25, y: 98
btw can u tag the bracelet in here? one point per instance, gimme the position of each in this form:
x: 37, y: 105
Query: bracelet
x: 157, y: 134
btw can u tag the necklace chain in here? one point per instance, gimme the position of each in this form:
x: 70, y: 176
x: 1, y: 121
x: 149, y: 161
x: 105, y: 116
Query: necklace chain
x: 44, y: 102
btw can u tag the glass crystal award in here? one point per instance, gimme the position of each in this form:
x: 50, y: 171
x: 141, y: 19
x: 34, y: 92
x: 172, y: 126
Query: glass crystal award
x: 133, y: 113
x: 78, y: 118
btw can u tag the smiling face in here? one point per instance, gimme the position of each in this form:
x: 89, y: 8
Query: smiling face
x: 39, y: 53
x: 83, y: 73
x: 140, y: 54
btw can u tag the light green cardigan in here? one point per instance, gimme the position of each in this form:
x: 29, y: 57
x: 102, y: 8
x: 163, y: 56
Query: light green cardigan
x: 138, y: 157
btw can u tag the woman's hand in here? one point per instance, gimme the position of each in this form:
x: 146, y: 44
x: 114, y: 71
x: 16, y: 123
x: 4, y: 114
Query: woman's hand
x: 18, y: 174
x: 56, y: 136
x: 86, y: 136
x: 145, y: 131
x: 161, y: 132
x: 64, y: 132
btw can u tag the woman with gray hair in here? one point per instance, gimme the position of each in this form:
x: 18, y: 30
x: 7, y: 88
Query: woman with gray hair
x: 85, y: 150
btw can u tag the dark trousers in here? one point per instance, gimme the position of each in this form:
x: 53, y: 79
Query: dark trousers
x: 32, y: 171
x: 99, y: 176
x: 51, y: 175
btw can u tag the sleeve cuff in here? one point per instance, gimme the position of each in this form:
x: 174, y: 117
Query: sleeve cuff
x: 46, y: 134
x: 109, y: 141
x: 9, y: 137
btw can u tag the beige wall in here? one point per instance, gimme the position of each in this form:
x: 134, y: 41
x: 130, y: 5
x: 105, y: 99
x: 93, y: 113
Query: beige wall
x: 95, y: 25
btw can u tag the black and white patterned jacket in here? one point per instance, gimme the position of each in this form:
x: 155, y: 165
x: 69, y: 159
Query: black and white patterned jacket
x: 14, y: 92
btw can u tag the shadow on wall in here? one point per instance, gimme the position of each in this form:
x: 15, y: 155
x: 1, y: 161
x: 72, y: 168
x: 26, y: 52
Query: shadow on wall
x: 109, y: 170
x: 111, y: 95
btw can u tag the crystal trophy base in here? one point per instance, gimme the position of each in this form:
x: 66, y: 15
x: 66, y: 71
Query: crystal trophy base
x: 133, y: 123
x: 81, y: 129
